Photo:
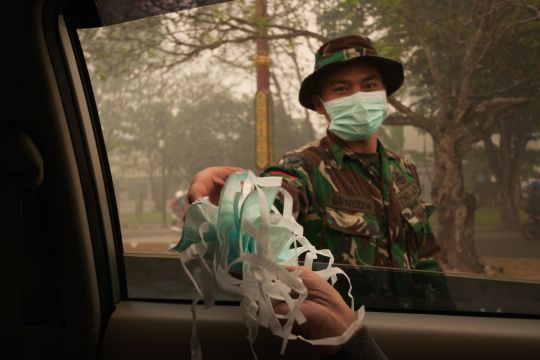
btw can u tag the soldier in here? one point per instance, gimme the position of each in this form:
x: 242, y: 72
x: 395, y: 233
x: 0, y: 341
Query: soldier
x: 351, y: 194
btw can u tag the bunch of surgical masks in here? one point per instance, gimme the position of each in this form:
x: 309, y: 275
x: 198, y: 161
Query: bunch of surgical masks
x: 240, y: 247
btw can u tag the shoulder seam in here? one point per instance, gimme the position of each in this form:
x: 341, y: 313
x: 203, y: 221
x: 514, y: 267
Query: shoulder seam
x: 312, y: 144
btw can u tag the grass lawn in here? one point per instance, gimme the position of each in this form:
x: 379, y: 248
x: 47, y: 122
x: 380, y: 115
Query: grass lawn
x: 487, y: 217
x: 484, y: 217
x: 147, y: 218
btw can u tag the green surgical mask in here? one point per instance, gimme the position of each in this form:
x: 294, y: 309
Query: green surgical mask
x: 246, y: 235
x: 358, y: 116
x: 238, y: 220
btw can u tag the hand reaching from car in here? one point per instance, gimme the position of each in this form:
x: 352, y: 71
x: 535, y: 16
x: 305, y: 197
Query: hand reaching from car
x: 326, y: 312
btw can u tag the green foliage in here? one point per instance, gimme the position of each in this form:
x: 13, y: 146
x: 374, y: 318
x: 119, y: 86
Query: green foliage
x: 489, y: 217
x: 494, y: 40
x: 152, y: 217
x: 164, y: 107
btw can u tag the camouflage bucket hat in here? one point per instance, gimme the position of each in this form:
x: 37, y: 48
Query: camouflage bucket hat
x: 346, y: 49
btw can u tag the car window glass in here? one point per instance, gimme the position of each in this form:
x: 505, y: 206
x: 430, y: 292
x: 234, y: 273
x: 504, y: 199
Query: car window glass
x: 176, y: 93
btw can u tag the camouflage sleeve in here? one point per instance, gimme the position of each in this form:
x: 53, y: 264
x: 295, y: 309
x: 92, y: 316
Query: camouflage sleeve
x: 427, y: 243
x: 293, y: 169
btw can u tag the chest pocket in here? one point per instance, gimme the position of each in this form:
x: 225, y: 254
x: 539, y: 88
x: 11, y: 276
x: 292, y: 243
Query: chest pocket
x: 355, y: 216
x: 413, y: 210
x: 415, y: 216
x: 355, y: 224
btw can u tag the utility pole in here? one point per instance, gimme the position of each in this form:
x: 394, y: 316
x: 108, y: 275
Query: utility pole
x: 163, y: 201
x: 263, y: 100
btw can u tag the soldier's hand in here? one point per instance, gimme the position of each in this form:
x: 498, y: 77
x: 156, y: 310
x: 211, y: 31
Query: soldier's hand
x: 209, y: 182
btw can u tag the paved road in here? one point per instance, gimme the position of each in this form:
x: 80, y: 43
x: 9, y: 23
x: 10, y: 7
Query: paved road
x: 488, y: 242
x: 506, y: 244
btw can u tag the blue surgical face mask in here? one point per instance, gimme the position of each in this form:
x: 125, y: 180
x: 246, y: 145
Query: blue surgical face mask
x: 236, y: 222
x: 358, y: 116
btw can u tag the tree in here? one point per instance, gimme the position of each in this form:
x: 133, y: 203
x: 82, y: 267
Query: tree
x: 170, y: 127
x: 450, y: 49
x: 458, y: 84
x: 225, y: 33
x: 515, y: 130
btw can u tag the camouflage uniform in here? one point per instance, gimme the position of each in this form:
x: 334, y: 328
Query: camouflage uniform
x: 365, y: 208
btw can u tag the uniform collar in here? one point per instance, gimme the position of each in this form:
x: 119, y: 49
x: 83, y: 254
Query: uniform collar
x: 339, y: 149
